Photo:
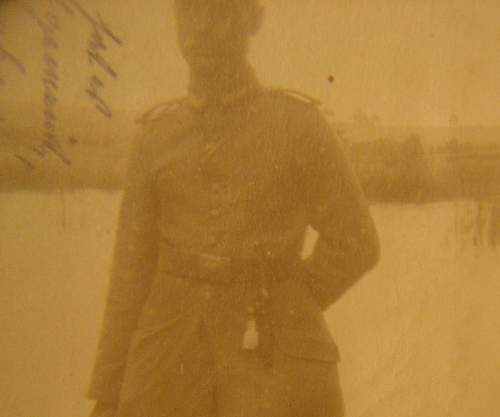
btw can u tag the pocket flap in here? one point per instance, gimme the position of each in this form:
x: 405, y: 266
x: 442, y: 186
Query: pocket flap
x: 303, y: 345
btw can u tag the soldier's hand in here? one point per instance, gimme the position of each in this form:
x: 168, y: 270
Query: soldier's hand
x: 103, y: 410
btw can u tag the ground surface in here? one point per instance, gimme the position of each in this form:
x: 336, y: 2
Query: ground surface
x: 419, y: 336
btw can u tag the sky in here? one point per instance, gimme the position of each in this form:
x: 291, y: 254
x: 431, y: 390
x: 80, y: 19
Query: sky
x: 412, y: 63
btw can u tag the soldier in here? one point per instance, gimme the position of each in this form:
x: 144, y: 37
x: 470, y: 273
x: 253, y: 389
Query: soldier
x: 211, y: 311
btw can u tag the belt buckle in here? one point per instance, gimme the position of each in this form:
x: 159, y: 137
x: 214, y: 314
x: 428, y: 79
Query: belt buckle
x: 214, y: 267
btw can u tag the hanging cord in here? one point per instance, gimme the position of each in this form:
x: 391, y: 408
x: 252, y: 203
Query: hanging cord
x: 263, y: 316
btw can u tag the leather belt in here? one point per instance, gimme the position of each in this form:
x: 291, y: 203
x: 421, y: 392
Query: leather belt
x: 222, y: 269
x: 259, y: 272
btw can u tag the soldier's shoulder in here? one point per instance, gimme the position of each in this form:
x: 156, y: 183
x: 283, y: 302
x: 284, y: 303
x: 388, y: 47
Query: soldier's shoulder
x: 291, y: 99
x: 291, y: 95
x: 290, y: 104
x: 161, y: 111
x: 293, y: 108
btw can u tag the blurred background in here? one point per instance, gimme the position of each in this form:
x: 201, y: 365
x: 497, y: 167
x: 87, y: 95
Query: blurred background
x: 412, y: 89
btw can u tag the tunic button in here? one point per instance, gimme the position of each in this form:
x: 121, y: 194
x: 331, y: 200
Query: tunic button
x: 212, y: 240
x: 215, y: 212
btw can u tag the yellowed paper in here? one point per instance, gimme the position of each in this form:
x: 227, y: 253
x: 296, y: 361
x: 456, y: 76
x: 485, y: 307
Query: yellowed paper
x: 410, y: 87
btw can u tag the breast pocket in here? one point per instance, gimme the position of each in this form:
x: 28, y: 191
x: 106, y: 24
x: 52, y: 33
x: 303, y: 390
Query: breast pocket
x: 302, y: 345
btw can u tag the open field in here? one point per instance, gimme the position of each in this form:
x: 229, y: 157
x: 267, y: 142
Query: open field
x: 419, y: 336
x: 394, y: 164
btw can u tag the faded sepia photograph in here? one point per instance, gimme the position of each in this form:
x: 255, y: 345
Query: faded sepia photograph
x: 249, y: 208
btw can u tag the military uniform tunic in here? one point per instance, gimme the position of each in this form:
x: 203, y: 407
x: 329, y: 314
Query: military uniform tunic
x: 241, y: 180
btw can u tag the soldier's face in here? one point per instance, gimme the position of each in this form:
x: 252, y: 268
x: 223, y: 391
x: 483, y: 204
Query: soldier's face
x: 210, y: 33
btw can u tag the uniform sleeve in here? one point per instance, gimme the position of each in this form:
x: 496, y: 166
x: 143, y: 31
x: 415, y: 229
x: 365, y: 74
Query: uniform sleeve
x: 133, y: 264
x: 347, y: 246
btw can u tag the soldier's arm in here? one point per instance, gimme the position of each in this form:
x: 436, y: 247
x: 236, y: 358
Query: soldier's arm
x: 348, y: 244
x: 134, y: 260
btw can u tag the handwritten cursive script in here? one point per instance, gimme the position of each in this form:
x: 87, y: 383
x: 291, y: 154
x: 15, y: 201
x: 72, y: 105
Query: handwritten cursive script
x: 50, y: 81
x: 50, y: 27
x: 7, y: 56
x: 96, y: 49
x: 10, y: 58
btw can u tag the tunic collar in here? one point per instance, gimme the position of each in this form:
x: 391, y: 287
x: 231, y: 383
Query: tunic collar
x: 247, y: 85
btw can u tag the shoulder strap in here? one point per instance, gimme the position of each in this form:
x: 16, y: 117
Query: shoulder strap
x: 297, y: 95
x: 159, y: 110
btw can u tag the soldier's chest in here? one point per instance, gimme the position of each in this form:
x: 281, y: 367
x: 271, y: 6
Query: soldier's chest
x: 239, y: 159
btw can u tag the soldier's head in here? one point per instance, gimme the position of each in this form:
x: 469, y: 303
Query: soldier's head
x: 214, y: 33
